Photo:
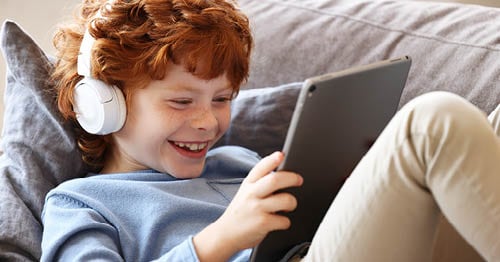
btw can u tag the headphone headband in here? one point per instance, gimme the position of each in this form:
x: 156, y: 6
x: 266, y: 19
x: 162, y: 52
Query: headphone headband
x: 84, y: 56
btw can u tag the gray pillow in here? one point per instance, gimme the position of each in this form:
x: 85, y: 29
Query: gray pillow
x: 260, y: 118
x: 39, y: 149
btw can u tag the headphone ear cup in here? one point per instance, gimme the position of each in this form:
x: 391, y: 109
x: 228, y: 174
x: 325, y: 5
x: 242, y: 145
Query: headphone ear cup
x: 100, y: 108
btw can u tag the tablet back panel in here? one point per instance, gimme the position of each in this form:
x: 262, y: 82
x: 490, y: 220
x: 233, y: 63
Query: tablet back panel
x: 337, y: 118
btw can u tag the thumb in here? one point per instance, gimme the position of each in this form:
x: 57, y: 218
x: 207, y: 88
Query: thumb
x: 265, y: 166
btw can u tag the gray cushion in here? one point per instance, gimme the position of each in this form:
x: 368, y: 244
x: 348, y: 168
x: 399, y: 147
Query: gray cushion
x: 260, y: 118
x: 39, y: 151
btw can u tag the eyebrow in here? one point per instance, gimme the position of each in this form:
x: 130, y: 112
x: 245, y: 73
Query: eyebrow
x: 189, y: 88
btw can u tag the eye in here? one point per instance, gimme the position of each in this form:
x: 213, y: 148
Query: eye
x: 222, y: 99
x: 180, y: 103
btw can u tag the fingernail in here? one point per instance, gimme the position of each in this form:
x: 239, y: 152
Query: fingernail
x: 278, y: 155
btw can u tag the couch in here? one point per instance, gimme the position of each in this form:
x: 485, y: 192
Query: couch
x: 454, y: 47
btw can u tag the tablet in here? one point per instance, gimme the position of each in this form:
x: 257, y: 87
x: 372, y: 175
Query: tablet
x: 337, y: 118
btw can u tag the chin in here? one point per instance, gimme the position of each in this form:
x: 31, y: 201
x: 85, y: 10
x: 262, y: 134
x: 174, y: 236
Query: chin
x: 182, y: 168
x: 184, y: 173
x: 188, y: 176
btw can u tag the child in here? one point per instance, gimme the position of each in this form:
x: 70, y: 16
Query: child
x: 157, y: 193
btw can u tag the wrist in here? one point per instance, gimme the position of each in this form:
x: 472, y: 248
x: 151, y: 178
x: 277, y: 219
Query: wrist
x: 211, y: 245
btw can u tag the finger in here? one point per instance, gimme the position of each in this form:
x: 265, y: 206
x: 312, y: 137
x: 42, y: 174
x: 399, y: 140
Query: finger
x: 278, y: 222
x: 265, y: 166
x: 282, y: 202
x: 276, y: 181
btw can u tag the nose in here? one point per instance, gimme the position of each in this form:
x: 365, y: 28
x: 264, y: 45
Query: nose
x: 204, y: 119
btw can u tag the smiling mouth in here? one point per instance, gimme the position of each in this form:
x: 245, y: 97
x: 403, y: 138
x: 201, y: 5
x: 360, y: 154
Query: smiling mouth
x: 191, y: 147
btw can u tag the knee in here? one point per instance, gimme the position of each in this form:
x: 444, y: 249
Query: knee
x: 440, y: 102
x: 435, y: 111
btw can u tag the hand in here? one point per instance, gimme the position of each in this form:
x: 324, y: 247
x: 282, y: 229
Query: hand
x: 253, y: 212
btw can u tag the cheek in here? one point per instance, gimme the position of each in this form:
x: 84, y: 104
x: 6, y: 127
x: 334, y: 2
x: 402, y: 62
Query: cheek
x: 225, y: 119
x: 143, y: 120
x: 149, y: 113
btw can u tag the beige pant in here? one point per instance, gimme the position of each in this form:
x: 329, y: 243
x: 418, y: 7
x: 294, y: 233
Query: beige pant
x: 438, y: 154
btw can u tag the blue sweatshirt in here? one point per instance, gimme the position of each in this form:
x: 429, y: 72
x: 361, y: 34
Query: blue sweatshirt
x: 141, y: 216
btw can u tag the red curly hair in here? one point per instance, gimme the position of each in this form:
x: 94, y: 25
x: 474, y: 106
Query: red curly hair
x: 135, y: 42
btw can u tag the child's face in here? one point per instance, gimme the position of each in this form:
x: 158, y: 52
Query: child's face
x: 171, y: 123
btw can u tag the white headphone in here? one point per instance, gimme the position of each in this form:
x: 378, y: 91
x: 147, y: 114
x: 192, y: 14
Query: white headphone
x: 100, y: 108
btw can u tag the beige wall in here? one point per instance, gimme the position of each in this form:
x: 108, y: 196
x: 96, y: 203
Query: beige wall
x: 39, y: 18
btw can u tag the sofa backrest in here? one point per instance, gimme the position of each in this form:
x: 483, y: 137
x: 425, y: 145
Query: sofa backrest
x: 454, y: 47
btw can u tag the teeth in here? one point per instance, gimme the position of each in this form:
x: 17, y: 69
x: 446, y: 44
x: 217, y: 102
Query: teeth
x: 191, y: 146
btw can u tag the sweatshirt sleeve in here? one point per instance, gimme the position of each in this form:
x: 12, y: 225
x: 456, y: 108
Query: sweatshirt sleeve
x: 184, y: 252
x: 74, y: 231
